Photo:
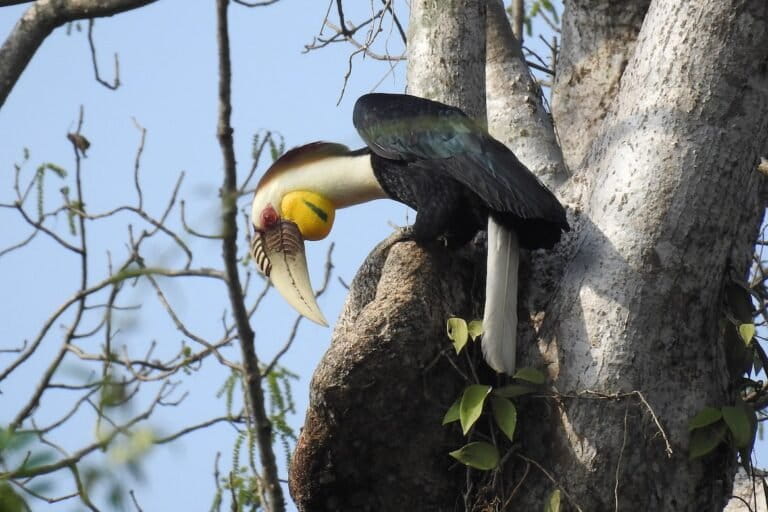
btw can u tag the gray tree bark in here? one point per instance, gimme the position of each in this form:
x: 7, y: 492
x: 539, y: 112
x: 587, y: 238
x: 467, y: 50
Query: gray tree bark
x: 372, y: 438
x: 676, y: 200
x: 663, y: 113
x: 748, y: 495
x: 448, y: 39
x: 516, y: 114
x: 598, y: 39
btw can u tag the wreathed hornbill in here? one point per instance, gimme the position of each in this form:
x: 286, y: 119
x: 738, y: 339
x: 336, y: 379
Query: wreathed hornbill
x: 433, y: 158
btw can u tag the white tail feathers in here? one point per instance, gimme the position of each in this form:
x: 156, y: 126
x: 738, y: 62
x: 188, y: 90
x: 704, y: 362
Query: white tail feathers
x: 500, y: 316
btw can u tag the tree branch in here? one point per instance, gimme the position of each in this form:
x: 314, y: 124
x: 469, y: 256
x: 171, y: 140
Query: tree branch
x: 516, y: 113
x: 39, y: 21
x: 229, y: 195
x: 598, y: 38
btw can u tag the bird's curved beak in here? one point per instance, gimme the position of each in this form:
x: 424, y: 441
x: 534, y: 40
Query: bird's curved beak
x: 279, y: 254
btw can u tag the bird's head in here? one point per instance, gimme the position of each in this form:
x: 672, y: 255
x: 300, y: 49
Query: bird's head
x: 290, y: 206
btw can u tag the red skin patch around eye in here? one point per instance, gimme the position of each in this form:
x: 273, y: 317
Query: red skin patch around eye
x: 269, y: 217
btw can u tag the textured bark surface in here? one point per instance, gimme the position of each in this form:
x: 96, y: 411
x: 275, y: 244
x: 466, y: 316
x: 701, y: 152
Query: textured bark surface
x: 372, y: 439
x: 446, y: 53
x: 516, y: 115
x: 677, y: 197
x: 667, y: 124
x: 598, y: 39
x: 751, y: 496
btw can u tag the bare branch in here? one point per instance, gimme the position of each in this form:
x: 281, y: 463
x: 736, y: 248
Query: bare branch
x: 229, y: 193
x: 366, y: 47
x: 343, y: 24
x: 120, y: 276
x: 263, y: 3
x: 137, y: 163
x: 20, y: 244
x: 45, y: 469
x: 39, y: 227
x: 192, y: 231
x: 38, y: 22
x: 116, y: 82
x: 135, y: 501
x: 388, y: 6
x: 199, y: 426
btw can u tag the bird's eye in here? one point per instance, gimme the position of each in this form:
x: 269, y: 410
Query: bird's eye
x: 269, y: 217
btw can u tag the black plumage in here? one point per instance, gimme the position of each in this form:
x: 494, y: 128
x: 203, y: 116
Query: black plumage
x: 437, y: 160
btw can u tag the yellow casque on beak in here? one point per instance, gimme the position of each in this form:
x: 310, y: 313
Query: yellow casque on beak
x: 312, y: 213
x: 279, y: 250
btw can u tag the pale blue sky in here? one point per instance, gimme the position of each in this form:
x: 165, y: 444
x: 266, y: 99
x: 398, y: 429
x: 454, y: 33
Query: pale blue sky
x: 168, y: 67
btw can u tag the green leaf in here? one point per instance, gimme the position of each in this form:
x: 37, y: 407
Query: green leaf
x: 453, y: 413
x: 747, y: 332
x: 274, y: 150
x: 41, y: 486
x: 478, y: 455
x: 14, y: 441
x: 706, y: 416
x: 472, y: 405
x: 475, y: 328
x: 739, y: 424
x: 457, y: 332
x: 514, y: 390
x: 704, y: 440
x: 39, y: 459
x: 505, y: 414
x: 9, y: 500
x: 553, y: 502
x: 531, y: 375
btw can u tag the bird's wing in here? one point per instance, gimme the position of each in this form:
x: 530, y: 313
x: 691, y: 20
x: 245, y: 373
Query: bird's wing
x: 403, y: 127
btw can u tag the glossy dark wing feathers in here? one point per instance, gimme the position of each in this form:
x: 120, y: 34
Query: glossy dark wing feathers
x: 408, y: 128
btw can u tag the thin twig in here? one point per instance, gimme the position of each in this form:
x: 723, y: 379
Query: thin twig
x: 617, y: 396
x: 618, y: 463
x: 116, y: 81
x: 294, y: 329
x: 552, y: 479
x: 517, y: 486
x: 135, y: 501
x: 366, y: 47
x: 20, y: 244
x: 655, y: 420
x: 263, y: 3
x: 137, y: 161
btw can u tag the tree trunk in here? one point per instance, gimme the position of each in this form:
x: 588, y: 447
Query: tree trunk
x: 624, y: 316
x: 516, y: 114
x: 372, y: 438
x: 676, y: 200
x: 446, y: 53
x: 598, y: 39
